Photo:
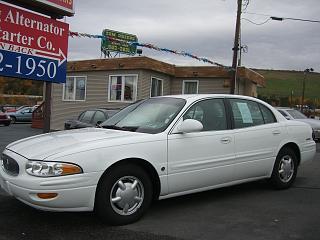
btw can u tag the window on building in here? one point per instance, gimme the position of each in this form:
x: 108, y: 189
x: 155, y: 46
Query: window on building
x: 190, y: 87
x: 123, y: 88
x: 75, y: 89
x: 156, y: 87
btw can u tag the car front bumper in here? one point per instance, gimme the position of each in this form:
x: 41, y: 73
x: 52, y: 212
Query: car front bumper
x: 74, y: 193
x: 5, y: 121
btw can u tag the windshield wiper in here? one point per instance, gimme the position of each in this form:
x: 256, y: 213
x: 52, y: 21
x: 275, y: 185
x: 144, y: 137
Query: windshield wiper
x: 124, y: 128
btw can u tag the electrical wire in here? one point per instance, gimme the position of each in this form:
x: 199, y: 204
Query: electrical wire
x: 255, y: 22
x: 282, y: 18
x: 245, y: 5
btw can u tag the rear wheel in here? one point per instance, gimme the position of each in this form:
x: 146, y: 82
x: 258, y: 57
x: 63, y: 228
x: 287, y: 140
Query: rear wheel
x: 123, y: 195
x: 285, y: 169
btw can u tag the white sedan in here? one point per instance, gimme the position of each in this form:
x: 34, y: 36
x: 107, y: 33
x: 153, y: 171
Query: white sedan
x: 155, y: 149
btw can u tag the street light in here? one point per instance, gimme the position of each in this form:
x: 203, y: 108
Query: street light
x: 308, y: 70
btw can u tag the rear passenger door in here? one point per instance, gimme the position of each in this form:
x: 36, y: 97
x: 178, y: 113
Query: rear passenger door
x: 257, y: 137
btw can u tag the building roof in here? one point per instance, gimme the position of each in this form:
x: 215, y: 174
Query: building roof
x: 146, y: 63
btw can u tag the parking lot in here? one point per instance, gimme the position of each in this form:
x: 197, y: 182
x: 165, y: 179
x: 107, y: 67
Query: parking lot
x: 249, y: 211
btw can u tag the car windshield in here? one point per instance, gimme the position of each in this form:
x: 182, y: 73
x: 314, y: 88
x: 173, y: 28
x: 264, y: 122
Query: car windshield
x: 149, y: 116
x: 296, y: 114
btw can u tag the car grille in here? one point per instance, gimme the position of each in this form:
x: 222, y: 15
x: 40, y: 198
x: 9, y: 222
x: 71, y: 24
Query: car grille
x: 9, y: 165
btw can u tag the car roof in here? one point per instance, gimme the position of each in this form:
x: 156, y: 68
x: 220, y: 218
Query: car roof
x: 285, y: 108
x: 193, y: 97
x: 106, y: 110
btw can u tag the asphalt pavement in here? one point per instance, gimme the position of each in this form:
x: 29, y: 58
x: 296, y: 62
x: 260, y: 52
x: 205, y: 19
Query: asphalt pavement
x: 248, y: 211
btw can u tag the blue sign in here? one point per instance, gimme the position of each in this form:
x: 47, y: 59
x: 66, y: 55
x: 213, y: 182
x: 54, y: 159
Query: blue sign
x: 32, y: 67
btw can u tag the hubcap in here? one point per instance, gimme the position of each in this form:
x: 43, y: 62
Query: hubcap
x: 127, y: 195
x: 286, y: 168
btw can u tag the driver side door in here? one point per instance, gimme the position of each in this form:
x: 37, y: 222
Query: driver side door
x: 202, y: 159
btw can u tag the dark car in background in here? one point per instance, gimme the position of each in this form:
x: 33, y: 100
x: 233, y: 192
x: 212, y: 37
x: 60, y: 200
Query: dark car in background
x: 90, y: 118
x: 4, y: 119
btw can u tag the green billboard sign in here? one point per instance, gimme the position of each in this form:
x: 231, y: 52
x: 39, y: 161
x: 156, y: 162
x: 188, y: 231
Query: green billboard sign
x: 118, y: 42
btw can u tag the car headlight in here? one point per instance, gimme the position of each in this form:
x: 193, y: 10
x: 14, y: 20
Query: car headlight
x: 51, y: 169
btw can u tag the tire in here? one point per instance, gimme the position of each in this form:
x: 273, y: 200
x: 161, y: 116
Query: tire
x: 13, y: 119
x: 123, y: 194
x: 285, y: 169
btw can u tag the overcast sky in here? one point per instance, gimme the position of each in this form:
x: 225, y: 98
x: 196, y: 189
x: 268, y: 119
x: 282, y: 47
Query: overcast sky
x: 205, y: 28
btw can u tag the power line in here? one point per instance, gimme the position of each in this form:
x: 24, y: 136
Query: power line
x: 245, y: 5
x: 255, y: 22
x: 281, y: 18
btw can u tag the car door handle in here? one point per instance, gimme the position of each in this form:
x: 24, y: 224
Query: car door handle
x: 225, y: 140
x: 276, y: 132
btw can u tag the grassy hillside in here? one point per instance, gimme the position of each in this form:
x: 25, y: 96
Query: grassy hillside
x: 280, y: 83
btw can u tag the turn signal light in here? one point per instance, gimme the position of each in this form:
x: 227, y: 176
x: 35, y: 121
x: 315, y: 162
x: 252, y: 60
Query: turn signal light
x: 47, y: 195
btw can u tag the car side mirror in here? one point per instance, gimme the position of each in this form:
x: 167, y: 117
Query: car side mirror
x: 189, y: 126
x: 287, y: 117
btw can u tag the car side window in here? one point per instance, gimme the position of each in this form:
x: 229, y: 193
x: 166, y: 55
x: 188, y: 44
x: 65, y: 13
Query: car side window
x: 87, y: 116
x: 211, y: 113
x: 27, y: 110
x: 98, y: 117
x: 246, y: 113
x: 283, y: 113
x: 267, y: 114
x: 81, y: 116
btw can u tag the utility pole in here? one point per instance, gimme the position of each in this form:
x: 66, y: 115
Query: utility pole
x: 235, y: 49
x: 305, y: 72
x: 47, y: 105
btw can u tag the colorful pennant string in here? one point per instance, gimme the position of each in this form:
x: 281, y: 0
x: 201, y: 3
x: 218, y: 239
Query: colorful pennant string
x: 147, y: 45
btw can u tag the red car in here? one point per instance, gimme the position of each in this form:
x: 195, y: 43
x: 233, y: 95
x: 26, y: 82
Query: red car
x: 4, y: 119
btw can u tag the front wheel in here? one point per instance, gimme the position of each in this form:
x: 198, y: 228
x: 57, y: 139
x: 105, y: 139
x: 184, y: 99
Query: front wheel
x: 13, y: 119
x: 285, y: 169
x: 123, y: 194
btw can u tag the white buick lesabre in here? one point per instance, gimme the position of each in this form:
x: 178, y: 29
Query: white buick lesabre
x: 154, y: 149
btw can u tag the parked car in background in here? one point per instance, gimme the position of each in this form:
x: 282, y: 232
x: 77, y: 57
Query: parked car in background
x: 10, y: 110
x: 22, y: 115
x: 90, y: 118
x: 293, y: 114
x: 154, y: 149
x: 4, y: 119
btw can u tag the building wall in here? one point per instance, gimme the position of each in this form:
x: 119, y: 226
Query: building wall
x: 206, y: 85
x: 97, y: 89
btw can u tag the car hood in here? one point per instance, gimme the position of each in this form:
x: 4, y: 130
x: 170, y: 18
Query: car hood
x: 45, y: 145
x: 314, y: 123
